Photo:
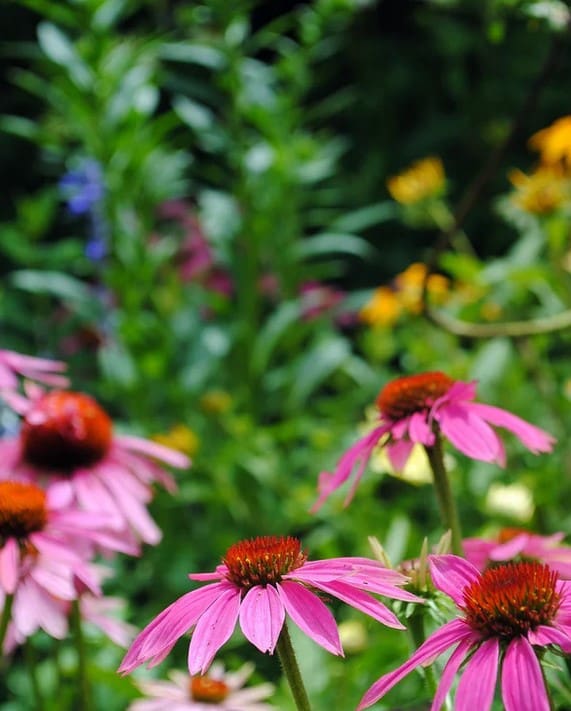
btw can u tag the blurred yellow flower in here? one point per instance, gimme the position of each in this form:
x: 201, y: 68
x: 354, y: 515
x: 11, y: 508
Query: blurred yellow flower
x: 181, y: 438
x: 554, y: 142
x: 416, y: 471
x: 353, y: 636
x: 513, y: 500
x: 423, y: 179
x: 216, y: 402
x: 540, y: 192
x: 383, y: 309
x: 388, y: 303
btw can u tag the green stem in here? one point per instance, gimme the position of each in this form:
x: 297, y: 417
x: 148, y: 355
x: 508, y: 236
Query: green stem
x: 83, y: 680
x: 446, y: 502
x: 5, y: 619
x: 418, y: 636
x: 32, y: 665
x: 290, y: 667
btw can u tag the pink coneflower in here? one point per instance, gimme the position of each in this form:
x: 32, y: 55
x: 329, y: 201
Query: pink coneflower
x: 217, y: 690
x: 517, y: 543
x: 505, y: 611
x: 44, y: 552
x: 259, y: 581
x: 41, y: 370
x: 411, y: 408
x: 67, y: 439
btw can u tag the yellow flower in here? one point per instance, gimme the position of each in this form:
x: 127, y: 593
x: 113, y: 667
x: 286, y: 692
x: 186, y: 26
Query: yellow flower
x: 383, y: 309
x: 216, y: 402
x: 181, y: 438
x: 409, y: 286
x: 422, y: 180
x: 554, y: 142
x: 541, y: 192
x: 513, y: 500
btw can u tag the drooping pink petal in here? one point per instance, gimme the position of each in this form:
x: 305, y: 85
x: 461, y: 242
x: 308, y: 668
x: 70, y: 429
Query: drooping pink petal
x: 469, y: 433
x: 361, y: 601
x: 544, y: 635
x: 213, y: 629
x: 310, y: 615
x: 534, y: 438
x: 398, y: 453
x: 419, y: 430
x: 523, y: 687
x: 154, y: 449
x: 435, y: 645
x: 9, y: 565
x: 162, y: 632
x: 262, y: 616
x: 360, y: 454
x: 451, y: 574
x: 509, y: 549
x: 478, y: 682
x: 449, y: 672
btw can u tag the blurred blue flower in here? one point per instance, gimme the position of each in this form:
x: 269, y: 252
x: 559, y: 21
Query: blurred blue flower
x: 83, y: 190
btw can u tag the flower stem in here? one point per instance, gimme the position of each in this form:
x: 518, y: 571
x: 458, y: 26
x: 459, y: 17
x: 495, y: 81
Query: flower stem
x: 418, y: 636
x: 290, y: 667
x: 31, y: 663
x: 446, y: 502
x: 5, y: 619
x: 83, y: 681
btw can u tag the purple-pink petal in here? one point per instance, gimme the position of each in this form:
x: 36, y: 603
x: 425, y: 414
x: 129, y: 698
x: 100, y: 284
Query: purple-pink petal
x: 398, y: 453
x: 469, y: 433
x: 154, y: 449
x: 449, y: 672
x: 534, y: 438
x: 361, y: 601
x: 262, y: 616
x: 310, y: 615
x: 435, y: 645
x: 9, y: 565
x: 523, y: 687
x: 451, y: 574
x: 213, y: 629
x: 162, y: 632
x: 544, y: 635
x: 419, y: 430
x: 478, y: 682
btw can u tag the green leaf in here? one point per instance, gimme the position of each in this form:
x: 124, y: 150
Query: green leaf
x: 193, y: 54
x: 315, y: 367
x: 73, y: 292
x: 329, y: 242
x: 58, y: 47
x: 366, y: 217
x: 285, y: 316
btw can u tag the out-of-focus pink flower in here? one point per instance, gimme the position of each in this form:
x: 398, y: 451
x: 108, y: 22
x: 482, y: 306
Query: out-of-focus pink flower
x: 412, y: 407
x: 504, y: 613
x: 258, y: 582
x: 102, y: 613
x: 45, y: 549
x: 42, y: 370
x: 218, y: 690
x: 516, y: 543
x: 317, y: 299
x: 67, y: 439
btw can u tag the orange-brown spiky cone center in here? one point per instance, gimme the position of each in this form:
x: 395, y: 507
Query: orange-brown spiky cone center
x: 65, y: 430
x: 412, y: 393
x: 207, y: 690
x: 509, y: 600
x: 22, y: 510
x: 263, y: 560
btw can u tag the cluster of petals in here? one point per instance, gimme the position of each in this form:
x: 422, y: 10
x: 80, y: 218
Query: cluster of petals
x: 468, y: 425
x: 51, y: 567
x: 215, y: 609
x: 118, y: 483
x: 14, y: 365
x: 177, y: 694
x: 484, y: 656
x: 522, y: 544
